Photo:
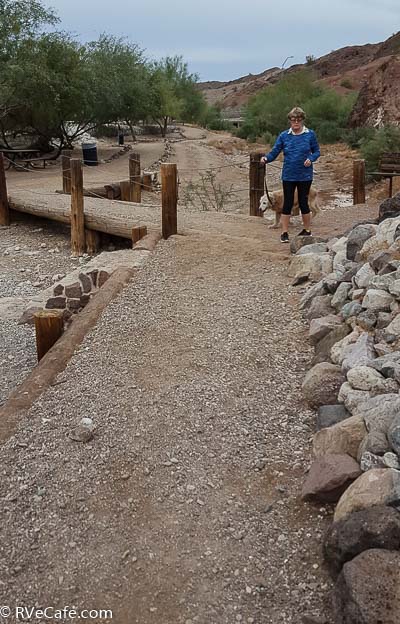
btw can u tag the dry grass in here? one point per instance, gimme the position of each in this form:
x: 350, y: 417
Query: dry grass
x: 230, y: 145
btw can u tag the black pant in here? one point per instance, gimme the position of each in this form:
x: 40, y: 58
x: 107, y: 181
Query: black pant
x: 303, y: 189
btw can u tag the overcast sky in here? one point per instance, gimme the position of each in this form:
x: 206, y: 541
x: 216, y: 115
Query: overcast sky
x: 223, y: 40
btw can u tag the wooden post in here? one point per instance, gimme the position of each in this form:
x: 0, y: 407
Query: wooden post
x: 78, y: 243
x: 66, y: 170
x: 138, y: 231
x: 391, y: 186
x: 358, y: 182
x: 4, y: 206
x: 92, y: 241
x: 147, y: 181
x: 169, y: 199
x: 134, y: 177
x: 49, y: 327
x: 126, y: 192
x: 257, y: 173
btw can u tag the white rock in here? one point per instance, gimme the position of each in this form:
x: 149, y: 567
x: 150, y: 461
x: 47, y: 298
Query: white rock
x: 366, y: 378
x: 364, y: 275
x: 338, y: 349
x: 394, y: 326
x: 377, y: 300
x: 352, y: 398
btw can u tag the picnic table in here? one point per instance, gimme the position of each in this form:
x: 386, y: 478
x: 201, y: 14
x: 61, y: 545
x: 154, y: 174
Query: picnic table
x: 21, y: 158
x: 19, y: 154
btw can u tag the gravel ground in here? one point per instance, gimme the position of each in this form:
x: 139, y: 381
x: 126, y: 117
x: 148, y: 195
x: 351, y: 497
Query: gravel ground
x: 30, y: 255
x: 185, y: 506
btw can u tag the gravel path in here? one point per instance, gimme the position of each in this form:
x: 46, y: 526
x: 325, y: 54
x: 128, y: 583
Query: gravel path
x: 184, y: 508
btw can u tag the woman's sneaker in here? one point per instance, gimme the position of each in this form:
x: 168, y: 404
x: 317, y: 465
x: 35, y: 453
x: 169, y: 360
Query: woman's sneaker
x: 284, y: 237
x: 304, y: 233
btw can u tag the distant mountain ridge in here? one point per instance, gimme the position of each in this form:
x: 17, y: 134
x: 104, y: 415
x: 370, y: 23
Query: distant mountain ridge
x: 345, y: 69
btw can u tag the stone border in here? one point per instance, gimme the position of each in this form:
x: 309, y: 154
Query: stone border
x: 55, y: 360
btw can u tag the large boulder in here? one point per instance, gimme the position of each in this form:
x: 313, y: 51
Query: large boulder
x: 352, y: 398
x: 299, y: 242
x: 388, y: 365
x: 375, y: 443
x: 344, y: 438
x: 357, y: 238
x: 390, y: 208
x: 316, y: 248
x: 316, y: 290
x: 320, y: 327
x: 364, y: 275
x: 359, y: 353
x: 367, y: 378
x: 341, y: 295
x: 322, y: 384
x: 324, y: 346
x: 320, y: 306
x: 315, y: 265
x: 380, y: 486
x: 377, y: 300
x: 351, y: 309
x: 328, y: 478
x: 394, y: 327
x: 367, y: 589
x: 393, y: 434
x: 329, y: 415
x: 339, y: 348
x: 375, y: 527
x: 384, y: 282
x: 379, y: 412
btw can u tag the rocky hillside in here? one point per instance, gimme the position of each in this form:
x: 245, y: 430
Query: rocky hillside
x: 369, y: 68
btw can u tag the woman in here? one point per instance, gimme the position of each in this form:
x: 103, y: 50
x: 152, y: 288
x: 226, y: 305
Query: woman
x: 300, y: 148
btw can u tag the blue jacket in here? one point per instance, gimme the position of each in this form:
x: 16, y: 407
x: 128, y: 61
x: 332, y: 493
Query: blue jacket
x: 296, y: 149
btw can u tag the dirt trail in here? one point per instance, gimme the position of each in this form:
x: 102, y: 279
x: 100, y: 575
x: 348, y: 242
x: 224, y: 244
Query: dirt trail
x: 185, y: 508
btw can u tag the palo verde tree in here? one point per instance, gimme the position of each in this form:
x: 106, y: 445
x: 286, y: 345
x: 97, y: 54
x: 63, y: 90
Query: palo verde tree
x: 174, y: 92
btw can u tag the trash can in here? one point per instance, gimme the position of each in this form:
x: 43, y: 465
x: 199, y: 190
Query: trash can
x: 89, y: 151
x: 120, y: 138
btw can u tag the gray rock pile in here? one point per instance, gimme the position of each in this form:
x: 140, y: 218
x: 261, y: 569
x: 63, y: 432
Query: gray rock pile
x: 353, y: 307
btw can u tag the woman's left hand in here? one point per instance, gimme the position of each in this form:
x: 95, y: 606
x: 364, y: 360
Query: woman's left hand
x: 307, y: 163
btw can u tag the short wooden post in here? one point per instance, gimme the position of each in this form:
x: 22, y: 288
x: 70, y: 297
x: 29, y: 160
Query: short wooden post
x: 169, y: 199
x: 49, y: 327
x: 78, y: 243
x: 66, y: 170
x: 4, y: 205
x: 138, y: 231
x: 92, y: 241
x: 358, y: 181
x: 391, y: 186
x: 126, y: 193
x: 147, y: 181
x: 256, y: 191
x: 134, y: 177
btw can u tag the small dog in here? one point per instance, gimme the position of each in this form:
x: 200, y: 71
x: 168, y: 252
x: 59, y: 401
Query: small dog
x: 277, y: 204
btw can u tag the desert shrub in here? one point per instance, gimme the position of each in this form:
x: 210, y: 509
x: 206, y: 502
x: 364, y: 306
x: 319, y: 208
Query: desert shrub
x: 327, y: 111
x: 385, y: 139
x: 354, y: 136
x: 212, y: 119
x: 346, y: 83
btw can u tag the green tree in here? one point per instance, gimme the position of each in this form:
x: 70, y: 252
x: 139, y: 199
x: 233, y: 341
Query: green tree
x: 174, y: 93
x: 121, y: 79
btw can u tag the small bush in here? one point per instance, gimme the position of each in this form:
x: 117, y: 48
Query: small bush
x: 354, y: 136
x: 346, y: 83
x: 385, y: 139
x: 310, y: 59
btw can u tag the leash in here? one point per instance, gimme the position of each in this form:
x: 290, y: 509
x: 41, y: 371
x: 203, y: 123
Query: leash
x: 266, y: 191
